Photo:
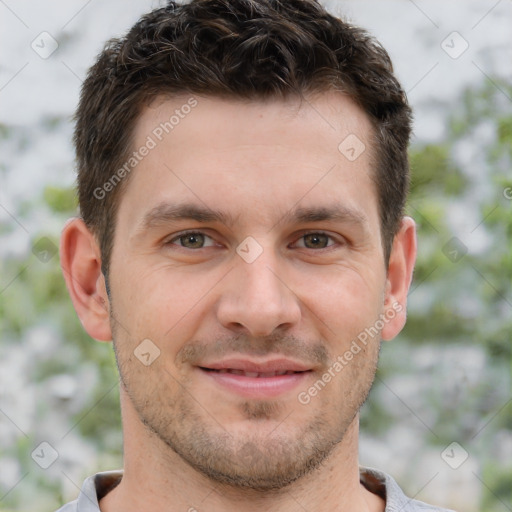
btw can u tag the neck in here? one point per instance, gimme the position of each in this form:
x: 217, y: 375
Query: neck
x: 156, y: 478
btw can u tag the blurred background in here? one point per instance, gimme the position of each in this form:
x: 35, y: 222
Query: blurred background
x: 439, y: 418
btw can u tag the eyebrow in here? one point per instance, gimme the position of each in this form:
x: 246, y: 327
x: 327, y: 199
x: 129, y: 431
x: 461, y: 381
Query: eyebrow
x: 335, y: 212
x: 165, y: 213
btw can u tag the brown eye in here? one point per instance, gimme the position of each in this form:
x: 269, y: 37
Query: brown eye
x: 192, y: 240
x: 316, y: 240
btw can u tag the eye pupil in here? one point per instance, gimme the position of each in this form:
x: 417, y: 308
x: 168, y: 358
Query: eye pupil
x: 193, y: 240
x: 315, y: 240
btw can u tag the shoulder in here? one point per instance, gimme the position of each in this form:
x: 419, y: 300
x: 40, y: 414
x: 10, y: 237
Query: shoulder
x: 384, y: 485
x: 93, y: 489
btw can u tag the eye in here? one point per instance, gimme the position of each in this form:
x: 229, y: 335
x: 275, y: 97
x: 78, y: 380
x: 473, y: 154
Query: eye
x: 192, y: 240
x: 316, y: 240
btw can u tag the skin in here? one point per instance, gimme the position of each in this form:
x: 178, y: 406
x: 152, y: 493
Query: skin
x: 188, y: 442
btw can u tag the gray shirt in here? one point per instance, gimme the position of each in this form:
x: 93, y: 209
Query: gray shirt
x: 97, y: 486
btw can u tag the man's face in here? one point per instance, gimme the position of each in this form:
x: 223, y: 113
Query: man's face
x: 281, y: 271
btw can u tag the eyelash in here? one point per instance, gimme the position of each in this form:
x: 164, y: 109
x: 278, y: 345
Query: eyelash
x: 187, y: 233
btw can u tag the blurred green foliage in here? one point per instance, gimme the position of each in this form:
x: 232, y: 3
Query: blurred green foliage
x: 441, y: 184
x: 60, y: 200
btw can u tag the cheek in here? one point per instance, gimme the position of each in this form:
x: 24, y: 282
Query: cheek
x: 166, y: 302
x: 345, y: 302
x: 162, y: 304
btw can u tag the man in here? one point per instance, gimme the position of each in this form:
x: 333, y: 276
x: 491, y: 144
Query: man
x: 242, y: 171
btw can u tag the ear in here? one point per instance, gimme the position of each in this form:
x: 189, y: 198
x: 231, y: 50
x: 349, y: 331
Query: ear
x: 399, y: 277
x: 80, y: 259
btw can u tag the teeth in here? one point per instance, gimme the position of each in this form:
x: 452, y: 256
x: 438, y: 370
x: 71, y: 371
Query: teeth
x: 257, y: 374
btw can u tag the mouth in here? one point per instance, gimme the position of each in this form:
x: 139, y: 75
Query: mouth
x: 256, y: 380
x: 257, y: 375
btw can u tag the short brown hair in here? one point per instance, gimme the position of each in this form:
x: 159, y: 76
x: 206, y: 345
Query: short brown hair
x: 243, y: 49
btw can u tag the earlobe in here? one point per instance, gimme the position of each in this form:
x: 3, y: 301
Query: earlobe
x: 399, y: 277
x: 81, y: 266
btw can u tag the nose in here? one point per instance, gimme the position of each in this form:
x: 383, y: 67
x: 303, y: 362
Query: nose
x: 256, y: 299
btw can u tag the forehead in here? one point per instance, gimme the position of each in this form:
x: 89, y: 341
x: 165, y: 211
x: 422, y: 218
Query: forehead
x: 267, y: 156
x: 331, y: 115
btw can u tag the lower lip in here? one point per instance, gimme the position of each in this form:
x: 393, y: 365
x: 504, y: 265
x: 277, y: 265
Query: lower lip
x: 257, y: 387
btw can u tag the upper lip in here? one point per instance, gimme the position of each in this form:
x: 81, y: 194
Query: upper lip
x: 246, y: 365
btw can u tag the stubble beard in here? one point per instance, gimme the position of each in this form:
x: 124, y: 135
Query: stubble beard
x: 263, y: 463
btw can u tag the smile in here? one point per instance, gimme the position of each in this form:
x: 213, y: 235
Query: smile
x: 254, y: 384
x: 252, y: 374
